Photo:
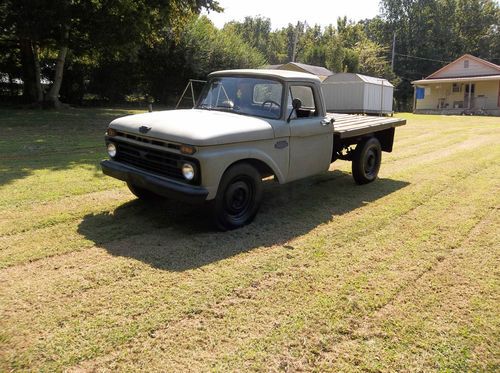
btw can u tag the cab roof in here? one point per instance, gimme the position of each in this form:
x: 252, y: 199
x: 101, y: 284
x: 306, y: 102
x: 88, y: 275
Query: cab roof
x: 286, y: 75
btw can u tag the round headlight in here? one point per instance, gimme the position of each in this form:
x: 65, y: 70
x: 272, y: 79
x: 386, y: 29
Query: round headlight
x: 111, y: 150
x: 188, y: 171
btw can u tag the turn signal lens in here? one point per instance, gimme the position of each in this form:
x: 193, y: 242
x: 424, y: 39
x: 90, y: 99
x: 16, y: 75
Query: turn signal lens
x: 111, y: 132
x: 188, y: 149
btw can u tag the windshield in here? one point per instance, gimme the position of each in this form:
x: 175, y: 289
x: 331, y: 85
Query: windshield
x: 243, y: 95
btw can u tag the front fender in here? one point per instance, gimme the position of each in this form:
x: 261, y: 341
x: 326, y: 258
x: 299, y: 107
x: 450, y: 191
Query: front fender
x: 215, y: 160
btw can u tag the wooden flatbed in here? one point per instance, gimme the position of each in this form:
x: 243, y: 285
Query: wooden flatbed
x: 350, y: 125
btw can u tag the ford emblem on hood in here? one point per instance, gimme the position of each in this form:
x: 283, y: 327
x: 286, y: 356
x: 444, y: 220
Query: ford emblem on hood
x: 144, y: 129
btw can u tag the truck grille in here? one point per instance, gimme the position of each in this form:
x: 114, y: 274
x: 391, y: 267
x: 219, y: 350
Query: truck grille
x: 148, y: 140
x: 156, y: 161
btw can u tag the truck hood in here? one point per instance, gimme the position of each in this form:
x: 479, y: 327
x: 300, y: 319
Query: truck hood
x: 196, y: 126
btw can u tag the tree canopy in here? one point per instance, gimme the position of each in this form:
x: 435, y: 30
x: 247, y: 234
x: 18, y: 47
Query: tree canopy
x: 110, y: 49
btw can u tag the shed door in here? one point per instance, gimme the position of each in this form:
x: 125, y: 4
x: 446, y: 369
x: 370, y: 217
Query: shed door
x: 311, y: 135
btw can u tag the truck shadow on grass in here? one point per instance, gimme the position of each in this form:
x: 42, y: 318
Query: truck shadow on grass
x: 173, y: 236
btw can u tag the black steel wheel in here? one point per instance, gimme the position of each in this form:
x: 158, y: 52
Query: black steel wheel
x: 238, y: 197
x: 366, y: 161
x: 143, y: 194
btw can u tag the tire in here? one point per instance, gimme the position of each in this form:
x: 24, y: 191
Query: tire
x: 238, y: 197
x: 366, y: 161
x: 143, y: 194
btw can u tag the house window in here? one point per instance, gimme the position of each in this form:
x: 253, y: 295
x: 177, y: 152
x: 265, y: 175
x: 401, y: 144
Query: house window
x: 456, y: 87
x: 466, y: 64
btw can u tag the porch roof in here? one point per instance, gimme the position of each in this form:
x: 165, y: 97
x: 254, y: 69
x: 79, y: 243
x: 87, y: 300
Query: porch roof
x: 455, y: 80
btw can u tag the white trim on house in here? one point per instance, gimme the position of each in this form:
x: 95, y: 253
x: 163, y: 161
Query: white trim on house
x: 454, y: 80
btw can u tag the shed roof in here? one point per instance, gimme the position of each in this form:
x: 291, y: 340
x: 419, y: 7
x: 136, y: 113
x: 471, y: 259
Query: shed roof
x: 311, y: 69
x: 281, y: 74
x: 353, y: 77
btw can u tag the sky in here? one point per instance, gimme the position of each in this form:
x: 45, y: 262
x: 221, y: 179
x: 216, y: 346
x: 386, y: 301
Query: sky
x: 282, y: 12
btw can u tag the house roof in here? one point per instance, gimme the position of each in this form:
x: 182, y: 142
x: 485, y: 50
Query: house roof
x: 493, y: 68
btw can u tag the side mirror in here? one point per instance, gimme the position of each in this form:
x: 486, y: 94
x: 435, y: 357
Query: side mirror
x: 227, y: 104
x: 296, y: 105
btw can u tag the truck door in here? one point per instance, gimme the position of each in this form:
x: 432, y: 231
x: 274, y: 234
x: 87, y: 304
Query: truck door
x: 311, y: 134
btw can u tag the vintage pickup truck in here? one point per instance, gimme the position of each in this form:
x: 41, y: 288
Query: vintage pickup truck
x: 247, y: 125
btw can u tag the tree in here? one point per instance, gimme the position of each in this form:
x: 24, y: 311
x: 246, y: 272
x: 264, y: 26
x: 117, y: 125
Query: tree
x: 199, y: 49
x: 59, y: 27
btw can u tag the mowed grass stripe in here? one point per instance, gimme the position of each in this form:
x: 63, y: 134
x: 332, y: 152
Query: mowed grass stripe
x: 402, y: 151
x: 438, y: 329
x: 44, y: 215
x: 328, y: 279
x: 143, y: 284
x: 123, y: 306
x: 51, y: 240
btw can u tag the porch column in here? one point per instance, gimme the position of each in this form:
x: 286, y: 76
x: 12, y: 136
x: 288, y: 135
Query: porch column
x: 470, y: 92
x: 415, y: 98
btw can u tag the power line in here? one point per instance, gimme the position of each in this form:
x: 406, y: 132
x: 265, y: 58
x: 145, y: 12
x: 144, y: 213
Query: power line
x: 422, y: 58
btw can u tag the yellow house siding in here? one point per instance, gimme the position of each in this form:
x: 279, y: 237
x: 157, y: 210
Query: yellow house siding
x: 430, y: 100
x: 485, y: 96
x: 489, y: 90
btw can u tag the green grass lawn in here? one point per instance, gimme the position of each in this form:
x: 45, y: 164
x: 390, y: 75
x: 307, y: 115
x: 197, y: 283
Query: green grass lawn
x: 398, y: 275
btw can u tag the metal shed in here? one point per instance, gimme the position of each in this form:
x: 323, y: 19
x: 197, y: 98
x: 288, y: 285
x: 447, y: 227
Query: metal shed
x: 356, y: 93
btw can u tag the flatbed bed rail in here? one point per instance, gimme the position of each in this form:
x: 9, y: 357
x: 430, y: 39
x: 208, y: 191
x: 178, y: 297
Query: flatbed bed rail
x: 349, y: 125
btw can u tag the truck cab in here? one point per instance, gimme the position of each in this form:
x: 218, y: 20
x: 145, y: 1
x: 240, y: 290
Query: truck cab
x: 246, y: 125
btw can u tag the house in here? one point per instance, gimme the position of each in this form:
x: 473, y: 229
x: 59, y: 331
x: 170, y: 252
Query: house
x: 468, y: 85
x: 319, y: 71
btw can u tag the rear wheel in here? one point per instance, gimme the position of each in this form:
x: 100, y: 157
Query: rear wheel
x: 238, y: 197
x: 142, y: 194
x: 366, y: 161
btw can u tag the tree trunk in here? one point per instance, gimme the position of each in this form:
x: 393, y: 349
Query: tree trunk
x: 32, y: 88
x: 53, y: 95
x: 38, y: 75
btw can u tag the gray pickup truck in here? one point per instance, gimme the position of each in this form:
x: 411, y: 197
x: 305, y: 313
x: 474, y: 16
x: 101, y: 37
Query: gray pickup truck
x: 246, y: 126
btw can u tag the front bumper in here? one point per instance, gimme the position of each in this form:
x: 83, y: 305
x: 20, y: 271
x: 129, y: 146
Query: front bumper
x: 154, y: 183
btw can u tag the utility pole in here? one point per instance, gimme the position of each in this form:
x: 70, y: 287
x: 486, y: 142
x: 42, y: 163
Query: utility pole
x: 299, y: 28
x: 393, y: 51
x: 295, y: 41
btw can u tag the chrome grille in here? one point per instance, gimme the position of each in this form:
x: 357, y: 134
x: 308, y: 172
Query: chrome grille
x: 159, y: 162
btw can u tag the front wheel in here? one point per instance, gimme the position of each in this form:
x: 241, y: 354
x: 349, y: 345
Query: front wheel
x: 238, y: 197
x: 366, y: 161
